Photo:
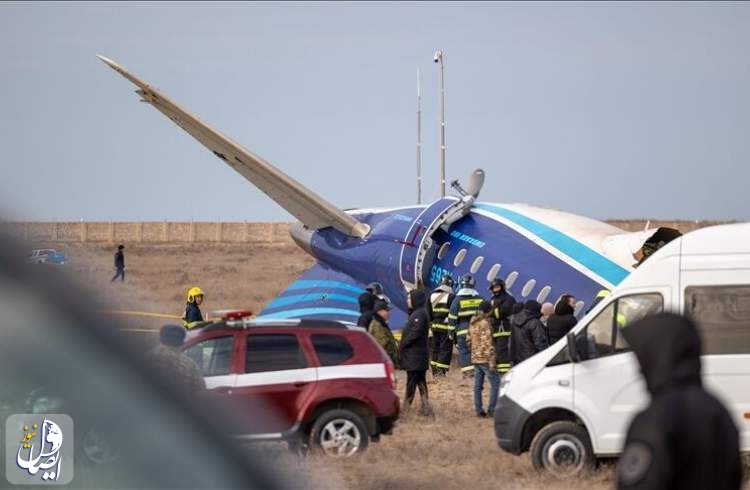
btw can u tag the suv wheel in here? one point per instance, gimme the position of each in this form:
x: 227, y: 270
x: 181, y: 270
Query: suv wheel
x: 563, y: 449
x: 339, y: 433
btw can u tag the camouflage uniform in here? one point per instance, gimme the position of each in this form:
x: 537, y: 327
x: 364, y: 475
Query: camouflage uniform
x: 383, y: 336
x: 480, y: 341
x: 174, y: 363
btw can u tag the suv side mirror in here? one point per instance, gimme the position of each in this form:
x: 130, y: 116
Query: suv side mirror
x: 572, y: 348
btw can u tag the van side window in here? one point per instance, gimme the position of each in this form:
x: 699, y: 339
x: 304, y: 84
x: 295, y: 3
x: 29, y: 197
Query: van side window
x: 723, y: 315
x: 602, y: 337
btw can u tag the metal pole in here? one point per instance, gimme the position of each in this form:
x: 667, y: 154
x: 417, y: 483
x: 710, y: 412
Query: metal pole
x: 442, y: 126
x: 419, y: 141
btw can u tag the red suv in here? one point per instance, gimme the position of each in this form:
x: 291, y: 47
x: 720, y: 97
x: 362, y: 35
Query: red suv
x: 310, y: 382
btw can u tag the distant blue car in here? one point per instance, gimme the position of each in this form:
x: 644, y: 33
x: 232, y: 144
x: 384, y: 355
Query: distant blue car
x: 46, y: 256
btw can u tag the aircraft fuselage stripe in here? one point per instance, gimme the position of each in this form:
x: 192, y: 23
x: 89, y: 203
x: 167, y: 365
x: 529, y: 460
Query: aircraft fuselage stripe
x: 574, y: 249
x: 298, y: 313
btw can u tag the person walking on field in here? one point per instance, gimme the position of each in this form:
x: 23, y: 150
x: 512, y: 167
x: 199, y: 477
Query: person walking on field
x: 480, y: 341
x: 414, y: 354
x: 119, y: 264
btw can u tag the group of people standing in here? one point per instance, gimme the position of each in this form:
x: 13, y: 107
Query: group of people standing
x: 490, y: 335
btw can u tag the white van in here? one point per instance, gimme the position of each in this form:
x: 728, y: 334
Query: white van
x: 573, y: 402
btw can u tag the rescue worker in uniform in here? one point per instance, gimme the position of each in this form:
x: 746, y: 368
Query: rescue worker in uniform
x: 193, y: 315
x: 381, y: 331
x: 438, y: 308
x: 685, y: 439
x: 464, y: 306
x: 502, y: 305
x: 598, y: 298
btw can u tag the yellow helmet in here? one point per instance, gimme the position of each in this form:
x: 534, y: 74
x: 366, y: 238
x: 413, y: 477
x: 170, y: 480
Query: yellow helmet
x: 193, y: 292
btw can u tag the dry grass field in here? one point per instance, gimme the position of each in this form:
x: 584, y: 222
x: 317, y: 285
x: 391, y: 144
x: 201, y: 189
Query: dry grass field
x: 453, y: 450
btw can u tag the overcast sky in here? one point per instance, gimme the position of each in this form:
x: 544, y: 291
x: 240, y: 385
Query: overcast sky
x: 610, y: 110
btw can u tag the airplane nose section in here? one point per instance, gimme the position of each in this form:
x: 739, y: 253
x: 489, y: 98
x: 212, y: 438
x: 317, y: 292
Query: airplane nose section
x: 302, y: 236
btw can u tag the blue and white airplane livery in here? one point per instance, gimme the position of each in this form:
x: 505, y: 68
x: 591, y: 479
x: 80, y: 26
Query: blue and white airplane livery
x: 540, y: 253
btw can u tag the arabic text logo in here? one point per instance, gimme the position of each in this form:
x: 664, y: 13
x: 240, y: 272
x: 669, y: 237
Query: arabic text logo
x: 40, y: 448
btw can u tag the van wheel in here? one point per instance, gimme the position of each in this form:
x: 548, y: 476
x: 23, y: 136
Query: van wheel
x: 339, y: 433
x: 563, y: 449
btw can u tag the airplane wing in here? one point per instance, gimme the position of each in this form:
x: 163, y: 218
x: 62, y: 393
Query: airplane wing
x: 322, y: 292
x: 309, y: 208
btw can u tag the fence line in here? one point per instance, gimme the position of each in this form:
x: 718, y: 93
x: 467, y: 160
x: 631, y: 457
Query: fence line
x: 147, y: 231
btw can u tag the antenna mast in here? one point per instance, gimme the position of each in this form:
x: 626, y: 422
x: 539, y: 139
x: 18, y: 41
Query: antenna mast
x: 439, y: 59
x: 419, y: 141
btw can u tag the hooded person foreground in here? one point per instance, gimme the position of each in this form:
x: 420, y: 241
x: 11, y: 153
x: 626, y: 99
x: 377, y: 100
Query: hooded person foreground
x: 685, y: 439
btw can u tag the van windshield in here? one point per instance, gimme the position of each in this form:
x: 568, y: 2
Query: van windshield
x: 602, y: 337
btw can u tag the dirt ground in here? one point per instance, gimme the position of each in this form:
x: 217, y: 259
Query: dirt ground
x: 453, y: 450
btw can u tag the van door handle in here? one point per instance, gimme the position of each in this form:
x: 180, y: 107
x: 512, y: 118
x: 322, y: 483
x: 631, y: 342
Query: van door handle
x: 297, y: 384
x: 223, y: 389
x: 564, y: 382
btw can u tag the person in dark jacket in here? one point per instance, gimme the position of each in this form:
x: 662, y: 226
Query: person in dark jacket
x: 373, y: 292
x: 562, y: 320
x: 685, y: 439
x: 366, y: 304
x: 119, y: 264
x: 414, y: 354
x: 512, y: 347
x: 193, y: 316
x: 531, y: 336
x: 502, y: 305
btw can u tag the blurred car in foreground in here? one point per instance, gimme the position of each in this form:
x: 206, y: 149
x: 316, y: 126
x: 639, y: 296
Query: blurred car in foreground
x: 325, y: 384
x: 132, y: 428
x: 46, y: 256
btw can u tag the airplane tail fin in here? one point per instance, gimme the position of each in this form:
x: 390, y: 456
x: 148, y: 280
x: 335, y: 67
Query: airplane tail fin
x: 302, y: 203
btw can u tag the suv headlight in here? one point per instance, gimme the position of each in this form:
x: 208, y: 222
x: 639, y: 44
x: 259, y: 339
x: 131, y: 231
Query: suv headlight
x: 504, y: 382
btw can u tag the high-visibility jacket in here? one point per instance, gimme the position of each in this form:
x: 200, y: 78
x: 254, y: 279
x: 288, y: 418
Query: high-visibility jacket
x: 502, y: 305
x: 464, y: 306
x: 193, y: 316
x: 438, y: 308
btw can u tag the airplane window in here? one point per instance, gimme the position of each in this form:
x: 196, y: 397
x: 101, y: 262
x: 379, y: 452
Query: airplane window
x: 459, y: 257
x: 511, y: 279
x: 528, y: 287
x: 543, y: 294
x: 492, y: 274
x: 443, y: 250
x: 579, y: 306
x: 476, y: 265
